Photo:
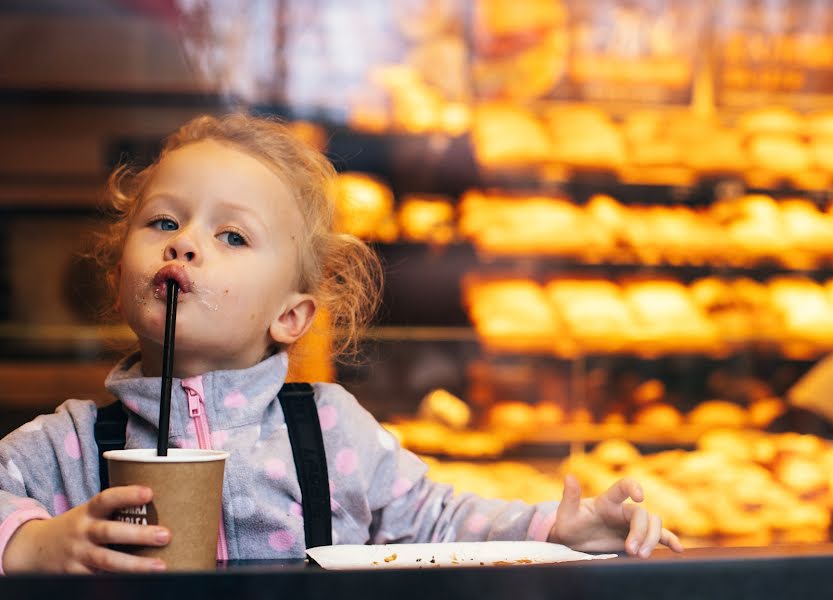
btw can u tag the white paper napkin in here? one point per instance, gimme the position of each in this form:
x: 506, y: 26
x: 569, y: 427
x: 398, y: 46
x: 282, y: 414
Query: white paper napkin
x: 451, y: 554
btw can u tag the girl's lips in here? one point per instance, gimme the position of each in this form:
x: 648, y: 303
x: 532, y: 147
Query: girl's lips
x: 175, y: 272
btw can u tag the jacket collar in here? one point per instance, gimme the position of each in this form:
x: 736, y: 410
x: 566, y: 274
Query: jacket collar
x: 231, y: 398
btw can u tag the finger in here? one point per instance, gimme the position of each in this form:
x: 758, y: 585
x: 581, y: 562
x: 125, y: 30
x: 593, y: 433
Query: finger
x: 571, y: 498
x: 638, y: 519
x: 671, y: 540
x: 107, y: 559
x: 103, y: 532
x: 77, y: 568
x: 622, y: 490
x: 104, y: 504
x: 652, y: 536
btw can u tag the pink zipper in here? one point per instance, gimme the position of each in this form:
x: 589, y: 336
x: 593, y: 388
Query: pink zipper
x: 196, y: 411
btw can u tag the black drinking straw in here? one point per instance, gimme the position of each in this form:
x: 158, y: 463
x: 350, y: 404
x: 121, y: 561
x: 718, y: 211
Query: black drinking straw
x: 167, y: 369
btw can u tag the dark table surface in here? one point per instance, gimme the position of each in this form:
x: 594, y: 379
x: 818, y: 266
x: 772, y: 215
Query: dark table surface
x: 804, y: 571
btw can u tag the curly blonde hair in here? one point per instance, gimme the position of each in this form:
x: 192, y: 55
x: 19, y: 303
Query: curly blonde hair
x: 340, y: 270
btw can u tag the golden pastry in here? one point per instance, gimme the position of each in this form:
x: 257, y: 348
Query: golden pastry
x: 668, y: 319
x: 512, y: 315
x: 364, y: 207
x: 648, y: 392
x: 427, y: 219
x: 733, y: 443
x: 595, y: 312
x: 548, y: 414
x: 584, y: 136
x: 616, y: 452
x: 512, y: 416
x: 718, y: 413
x: 774, y: 119
x: 506, y: 136
x: 658, y: 416
x: 780, y: 153
x: 446, y: 408
x: 764, y: 411
x: 801, y: 474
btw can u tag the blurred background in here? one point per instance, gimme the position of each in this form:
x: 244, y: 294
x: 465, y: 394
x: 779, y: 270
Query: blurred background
x: 606, y: 225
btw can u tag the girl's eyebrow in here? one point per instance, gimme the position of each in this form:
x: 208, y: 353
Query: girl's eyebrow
x: 157, y: 197
x: 245, y: 211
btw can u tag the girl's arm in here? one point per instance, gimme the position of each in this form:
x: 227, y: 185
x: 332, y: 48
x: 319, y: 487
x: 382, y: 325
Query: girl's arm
x: 406, y: 506
x: 35, y: 462
x: 426, y: 511
x: 398, y: 503
x: 47, y: 467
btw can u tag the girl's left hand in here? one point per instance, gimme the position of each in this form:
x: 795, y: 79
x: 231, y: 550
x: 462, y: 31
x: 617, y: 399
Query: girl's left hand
x: 609, y: 523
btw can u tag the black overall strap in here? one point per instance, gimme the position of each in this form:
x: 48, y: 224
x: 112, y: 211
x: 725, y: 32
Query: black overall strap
x: 110, y: 425
x: 301, y: 414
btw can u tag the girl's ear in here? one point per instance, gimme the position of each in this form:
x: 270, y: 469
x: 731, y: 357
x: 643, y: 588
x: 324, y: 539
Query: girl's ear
x: 295, y: 319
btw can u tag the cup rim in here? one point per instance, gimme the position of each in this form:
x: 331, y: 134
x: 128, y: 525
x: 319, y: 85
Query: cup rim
x: 175, y: 455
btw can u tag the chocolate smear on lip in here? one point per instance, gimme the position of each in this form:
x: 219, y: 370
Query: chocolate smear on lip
x: 175, y: 272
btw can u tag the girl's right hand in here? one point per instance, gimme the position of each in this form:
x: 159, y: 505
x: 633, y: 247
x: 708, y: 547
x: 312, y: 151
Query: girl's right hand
x: 77, y: 540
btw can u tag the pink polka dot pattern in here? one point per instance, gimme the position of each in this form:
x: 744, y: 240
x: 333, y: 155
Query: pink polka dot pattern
x: 275, y: 468
x: 281, y: 540
x: 72, y: 446
x: 346, y: 461
x: 187, y: 443
x: 328, y: 416
x: 401, y: 486
x: 235, y: 400
x: 60, y: 504
x: 477, y: 523
x: 219, y: 439
x: 296, y: 510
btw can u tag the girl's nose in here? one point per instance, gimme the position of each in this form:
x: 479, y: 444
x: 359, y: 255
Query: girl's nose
x: 183, y: 248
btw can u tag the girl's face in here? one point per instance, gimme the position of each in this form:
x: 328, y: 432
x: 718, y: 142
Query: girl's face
x: 224, y: 226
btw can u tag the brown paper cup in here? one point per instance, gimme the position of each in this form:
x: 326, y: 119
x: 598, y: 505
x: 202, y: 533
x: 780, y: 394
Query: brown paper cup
x: 187, y: 499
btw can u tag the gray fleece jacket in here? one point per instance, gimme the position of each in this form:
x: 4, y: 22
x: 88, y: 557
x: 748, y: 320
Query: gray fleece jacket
x: 379, y: 491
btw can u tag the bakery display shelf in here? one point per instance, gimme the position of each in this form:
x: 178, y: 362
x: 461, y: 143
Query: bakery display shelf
x: 562, y: 440
x: 658, y: 186
x: 796, y: 351
x: 447, y: 165
x: 443, y: 164
x: 465, y: 255
x: 649, y: 437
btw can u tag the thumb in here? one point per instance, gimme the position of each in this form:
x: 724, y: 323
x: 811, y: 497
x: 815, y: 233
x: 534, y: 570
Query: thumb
x: 571, y: 498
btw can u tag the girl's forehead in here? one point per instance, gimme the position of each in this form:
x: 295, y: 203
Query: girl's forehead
x: 209, y: 169
x: 208, y: 152
x: 217, y: 165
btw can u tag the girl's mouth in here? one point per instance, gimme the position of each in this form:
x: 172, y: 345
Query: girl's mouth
x: 175, y: 272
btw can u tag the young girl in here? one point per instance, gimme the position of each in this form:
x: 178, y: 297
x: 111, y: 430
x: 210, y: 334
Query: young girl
x: 239, y: 212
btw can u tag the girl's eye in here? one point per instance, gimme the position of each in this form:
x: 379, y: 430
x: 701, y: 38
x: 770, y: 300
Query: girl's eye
x: 232, y: 238
x: 164, y: 224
